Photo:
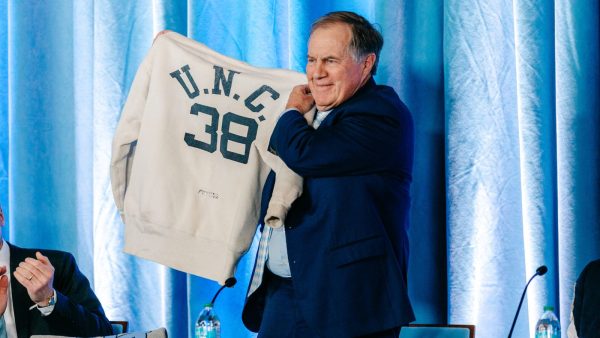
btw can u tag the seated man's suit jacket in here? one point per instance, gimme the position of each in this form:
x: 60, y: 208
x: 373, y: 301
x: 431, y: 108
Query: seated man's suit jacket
x: 77, y: 311
x: 347, y: 233
x: 586, y: 307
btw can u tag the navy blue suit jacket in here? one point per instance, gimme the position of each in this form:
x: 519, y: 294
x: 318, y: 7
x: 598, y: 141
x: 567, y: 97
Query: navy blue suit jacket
x: 77, y: 311
x: 347, y: 233
x: 587, y: 301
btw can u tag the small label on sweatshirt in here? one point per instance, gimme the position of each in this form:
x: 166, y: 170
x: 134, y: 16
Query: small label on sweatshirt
x: 208, y: 194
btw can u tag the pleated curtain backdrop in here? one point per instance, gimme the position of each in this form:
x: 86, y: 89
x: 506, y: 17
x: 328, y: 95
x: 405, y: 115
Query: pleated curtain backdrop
x: 522, y: 156
x: 505, y: 101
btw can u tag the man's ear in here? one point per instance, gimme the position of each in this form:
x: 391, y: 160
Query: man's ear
x: 368, y: 63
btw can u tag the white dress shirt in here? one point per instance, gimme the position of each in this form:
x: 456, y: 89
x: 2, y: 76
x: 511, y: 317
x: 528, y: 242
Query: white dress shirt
x: 9, y: 314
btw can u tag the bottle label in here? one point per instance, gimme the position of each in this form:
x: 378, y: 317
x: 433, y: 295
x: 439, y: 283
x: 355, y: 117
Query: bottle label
x: 207, y: 332
x: 547, y: 329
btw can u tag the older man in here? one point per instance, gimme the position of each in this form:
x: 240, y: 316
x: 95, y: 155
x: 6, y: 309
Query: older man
x: 43, y: 292
x: 338, y: 266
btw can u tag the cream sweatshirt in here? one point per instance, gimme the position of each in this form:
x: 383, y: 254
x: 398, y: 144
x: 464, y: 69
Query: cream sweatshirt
x: 189, y: 156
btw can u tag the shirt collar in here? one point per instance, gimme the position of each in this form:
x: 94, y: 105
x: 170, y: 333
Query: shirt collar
x: 5, y: 254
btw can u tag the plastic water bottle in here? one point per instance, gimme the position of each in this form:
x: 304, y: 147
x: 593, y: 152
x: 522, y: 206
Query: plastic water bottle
x: 548, y: 326
x: 208, y: 324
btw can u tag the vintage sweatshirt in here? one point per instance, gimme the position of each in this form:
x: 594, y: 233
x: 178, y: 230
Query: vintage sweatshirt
x: 190, y: 156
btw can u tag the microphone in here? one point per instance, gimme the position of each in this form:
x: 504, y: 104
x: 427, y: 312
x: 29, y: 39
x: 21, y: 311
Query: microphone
x: 538, y: 272
x: 230, y: 282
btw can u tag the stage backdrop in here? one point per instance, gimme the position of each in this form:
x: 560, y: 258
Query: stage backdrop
x: 505, y: 100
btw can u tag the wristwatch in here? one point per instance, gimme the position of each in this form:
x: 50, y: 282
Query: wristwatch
x: 51, y: 299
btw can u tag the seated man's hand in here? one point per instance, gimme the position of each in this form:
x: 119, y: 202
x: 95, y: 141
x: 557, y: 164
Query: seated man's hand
x: 37, y: 276
x: 3, y: 290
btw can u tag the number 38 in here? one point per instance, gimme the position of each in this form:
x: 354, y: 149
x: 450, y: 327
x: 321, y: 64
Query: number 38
x: 226, y: 135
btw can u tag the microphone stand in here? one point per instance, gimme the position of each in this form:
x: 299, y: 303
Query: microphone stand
x: 230, y: 282
x: 539, y: 272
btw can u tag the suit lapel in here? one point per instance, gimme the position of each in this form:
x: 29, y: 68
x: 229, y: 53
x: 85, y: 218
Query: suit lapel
x: 20, y: 298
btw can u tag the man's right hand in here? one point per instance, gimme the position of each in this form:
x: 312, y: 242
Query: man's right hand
x: 300, y: 99
x: 160, y: 33
x: 3, y: 290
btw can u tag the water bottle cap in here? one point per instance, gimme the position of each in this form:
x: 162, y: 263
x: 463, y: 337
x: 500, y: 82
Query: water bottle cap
x: 208, y: 305
x: 548, y: 308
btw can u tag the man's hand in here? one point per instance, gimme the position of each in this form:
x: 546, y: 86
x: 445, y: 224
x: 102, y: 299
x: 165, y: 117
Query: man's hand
x: 3, y: 290
x: 300, y: 99
x: 160, y: 33
x: 37, y: 276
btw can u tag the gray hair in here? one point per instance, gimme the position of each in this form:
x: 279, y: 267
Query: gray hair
x: 365, y: 38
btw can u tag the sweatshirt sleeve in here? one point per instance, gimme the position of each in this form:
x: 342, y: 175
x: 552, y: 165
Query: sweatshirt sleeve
x: 288, y: 185
x: 126, y: 134
x: 287, y: 188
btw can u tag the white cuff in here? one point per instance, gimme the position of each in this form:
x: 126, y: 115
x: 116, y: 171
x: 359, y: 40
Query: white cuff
x: 46, y: 310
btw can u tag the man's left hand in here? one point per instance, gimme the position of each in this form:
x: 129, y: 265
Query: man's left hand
x: 37, y: 276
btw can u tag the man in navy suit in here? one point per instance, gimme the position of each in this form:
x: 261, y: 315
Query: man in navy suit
x: 338, y: 266
x: 43, y: 292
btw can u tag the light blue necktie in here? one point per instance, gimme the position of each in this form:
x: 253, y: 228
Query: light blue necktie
x: 261, y: 259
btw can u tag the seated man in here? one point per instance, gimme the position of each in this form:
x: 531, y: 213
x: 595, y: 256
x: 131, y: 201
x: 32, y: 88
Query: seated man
x: 45, y: 293
x: 585, y: 318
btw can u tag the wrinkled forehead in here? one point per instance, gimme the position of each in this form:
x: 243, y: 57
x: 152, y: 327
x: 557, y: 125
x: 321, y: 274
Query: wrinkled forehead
x: 333, y: 38
x: 337, y: 29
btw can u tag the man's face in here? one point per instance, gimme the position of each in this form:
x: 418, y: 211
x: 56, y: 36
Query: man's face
x: 333, y: 75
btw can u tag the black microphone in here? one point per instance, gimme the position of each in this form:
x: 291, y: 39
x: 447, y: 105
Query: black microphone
x: 538, y: 272
x: 230, y: 282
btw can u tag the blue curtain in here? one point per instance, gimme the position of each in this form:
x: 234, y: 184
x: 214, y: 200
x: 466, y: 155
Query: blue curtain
x: 522, y: 155
x: 505, y: 100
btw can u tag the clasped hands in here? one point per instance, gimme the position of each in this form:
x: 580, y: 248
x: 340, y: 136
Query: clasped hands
x: 35, y: 274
